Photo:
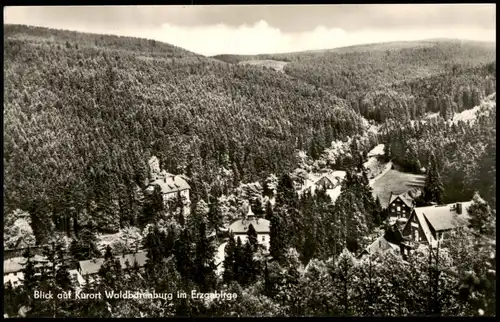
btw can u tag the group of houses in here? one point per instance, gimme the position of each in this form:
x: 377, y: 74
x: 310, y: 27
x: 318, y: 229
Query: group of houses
x: 411, y: 226
x: 330, y: 182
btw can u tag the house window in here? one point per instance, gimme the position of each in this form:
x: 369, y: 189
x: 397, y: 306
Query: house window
x: 416, y: 235
x: 392, y: 210
x: 263, y: 238
x: 399, y: 208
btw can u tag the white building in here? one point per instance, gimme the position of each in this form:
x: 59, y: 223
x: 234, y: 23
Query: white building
x: 240, y: 228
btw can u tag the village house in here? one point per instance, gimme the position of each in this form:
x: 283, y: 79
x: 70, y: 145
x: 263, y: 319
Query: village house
x: 329, y: 182
x: 430, y: 225
x: 171, y: 186
x: 13, y: 268
x: 400, y: 206
x: 90, y: 268
x: 380, y: 246
x: 239, y: 229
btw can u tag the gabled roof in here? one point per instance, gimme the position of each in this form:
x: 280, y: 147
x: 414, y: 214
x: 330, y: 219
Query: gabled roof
x: 16, y: 264
x: 139, y: 257
x: 405, y: 198
x: 91, y: 266
x: 440, y: 217
x: 379, y: 246
x: 241, y: 226
x: 334, y: 177
x: 444, y: 217
x: 170, y: 183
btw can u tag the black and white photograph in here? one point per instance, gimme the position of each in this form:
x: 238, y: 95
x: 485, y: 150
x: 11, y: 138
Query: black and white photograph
x: 249, y: 161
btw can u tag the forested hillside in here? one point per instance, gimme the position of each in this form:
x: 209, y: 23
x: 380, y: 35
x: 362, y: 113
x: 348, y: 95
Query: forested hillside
x: 465, y: 153
x: 83, y: 113
x: 399, y: 80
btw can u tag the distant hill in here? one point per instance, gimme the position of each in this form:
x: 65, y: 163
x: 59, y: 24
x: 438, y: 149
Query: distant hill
x: 393, y: 80
x: 84, y: 112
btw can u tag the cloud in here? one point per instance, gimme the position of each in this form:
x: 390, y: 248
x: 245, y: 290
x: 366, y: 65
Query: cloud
x: 261, y: 37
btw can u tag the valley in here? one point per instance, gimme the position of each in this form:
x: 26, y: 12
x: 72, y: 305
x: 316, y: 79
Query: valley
x: 136, y: 164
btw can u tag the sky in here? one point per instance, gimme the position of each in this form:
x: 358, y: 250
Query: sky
x: 212, y: 30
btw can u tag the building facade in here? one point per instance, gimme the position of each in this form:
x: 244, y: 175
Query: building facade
x: 430, y: 225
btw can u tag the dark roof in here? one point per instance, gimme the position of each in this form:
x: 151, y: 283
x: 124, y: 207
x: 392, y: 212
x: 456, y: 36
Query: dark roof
x: 334, y: 177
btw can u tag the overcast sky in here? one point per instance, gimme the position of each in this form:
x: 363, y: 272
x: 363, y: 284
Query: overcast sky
x: 211, y: 30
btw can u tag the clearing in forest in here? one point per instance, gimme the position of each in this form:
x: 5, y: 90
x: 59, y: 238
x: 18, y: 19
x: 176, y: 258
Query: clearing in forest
x: 396, y: 182
x: 274, y: 64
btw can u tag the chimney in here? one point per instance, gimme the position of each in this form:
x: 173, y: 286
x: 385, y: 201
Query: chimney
x: 165, y: 179
x: 459, y: 208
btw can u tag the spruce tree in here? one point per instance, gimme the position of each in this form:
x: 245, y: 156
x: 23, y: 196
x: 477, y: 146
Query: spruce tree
x: 248, y: 266
x: 204, y: 261
x: 277, y: 244
x: 214, y: 215
x: 183, y: 254
x: 433, y: 190
x: 108, y: 254
x: 63, y: 278
x: 286, y: 195
x: 30, y: 280
x: 269, y: 211
x: 154, y: 243
x: 482, y: 218
x: 238, y: 260
x: 252, y: 238
x: 229, y: 259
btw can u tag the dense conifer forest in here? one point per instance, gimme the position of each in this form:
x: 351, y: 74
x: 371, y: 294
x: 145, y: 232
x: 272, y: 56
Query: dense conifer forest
x: 84, y: 113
